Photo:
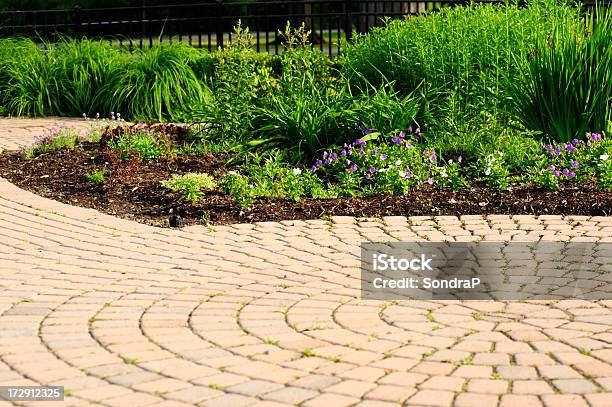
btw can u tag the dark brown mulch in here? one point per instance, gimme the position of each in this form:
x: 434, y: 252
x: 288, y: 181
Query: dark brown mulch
x: 131, y: 190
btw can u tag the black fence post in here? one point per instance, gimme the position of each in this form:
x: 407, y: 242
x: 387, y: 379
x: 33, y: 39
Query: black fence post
x: 77, y: 21
x: 220, y: 11
x: 348, y: 20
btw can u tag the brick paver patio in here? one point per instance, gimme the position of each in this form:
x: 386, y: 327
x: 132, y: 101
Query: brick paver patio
x: 124, y: 314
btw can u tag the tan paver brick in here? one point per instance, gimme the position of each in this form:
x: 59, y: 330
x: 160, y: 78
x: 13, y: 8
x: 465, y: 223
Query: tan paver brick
x: 130, y: 314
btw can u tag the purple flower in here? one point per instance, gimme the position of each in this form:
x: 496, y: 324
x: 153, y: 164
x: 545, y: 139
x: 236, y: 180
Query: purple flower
x: 572, y: 174
x: 431, y: 155
x: 348, y: 162
x: 372, y: 170
x: 575, y: 164
x: 334, y: 155
x: 328, y: 161
x: 408, y: 145
x: 343, y: 152
x: 325, y: 155
x: 383, y: 157
x: 368, y: 176
x: 551, y: 168
x: 396, y: 140
x: 558, y: 149
x: 313, y: 168
x: 319, y: 163
x: 575, y: 141
x: 410, y: 129
x: 566, y: 171
x: 408, y: 173
x: 430, y: 181
x: 557, y: 173
x: 588, y: 143
x: 402, y: 134
x: 570, y: 148
x: 594, y: 136
x: 361, y: 152
x: 549, y: 148
x: 352, y: 168
x: 373, y: 152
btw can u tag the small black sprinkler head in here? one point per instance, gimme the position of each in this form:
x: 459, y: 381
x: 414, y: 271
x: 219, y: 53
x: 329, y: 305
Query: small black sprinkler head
x: 176, y: 221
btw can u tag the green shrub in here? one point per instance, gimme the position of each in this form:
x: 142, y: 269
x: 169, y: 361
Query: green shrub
x: 568, y: 88
x: 239, y: 78
x: 192, y: 185
x: 308, y: 109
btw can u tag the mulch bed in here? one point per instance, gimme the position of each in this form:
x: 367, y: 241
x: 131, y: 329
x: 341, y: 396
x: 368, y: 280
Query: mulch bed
x: 133, y: 191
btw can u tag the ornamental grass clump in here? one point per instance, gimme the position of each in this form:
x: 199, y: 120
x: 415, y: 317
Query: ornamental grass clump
x: 156, y: 83
x: 568, y: 87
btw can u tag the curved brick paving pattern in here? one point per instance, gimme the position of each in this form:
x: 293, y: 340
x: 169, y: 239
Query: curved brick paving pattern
x: 124, y: 314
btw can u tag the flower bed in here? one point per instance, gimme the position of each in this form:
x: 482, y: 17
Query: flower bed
x: 445, y: 113
x: 151, y: 173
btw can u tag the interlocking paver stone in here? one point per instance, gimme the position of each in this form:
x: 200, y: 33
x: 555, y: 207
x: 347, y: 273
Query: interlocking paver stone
x: 132, y: 315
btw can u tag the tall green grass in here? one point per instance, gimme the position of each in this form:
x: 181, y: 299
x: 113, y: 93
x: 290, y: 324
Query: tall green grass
x: 464, y: 60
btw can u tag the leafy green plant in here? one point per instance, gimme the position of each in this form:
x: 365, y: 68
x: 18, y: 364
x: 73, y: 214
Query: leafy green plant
x: 192, y: 185
x: 495, y: 171
x: 96, y: 176
x: 604, y: 177
x: 568, y: 88
x: 271, y: 176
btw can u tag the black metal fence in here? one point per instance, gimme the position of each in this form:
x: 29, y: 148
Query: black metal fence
x: 209, y: 24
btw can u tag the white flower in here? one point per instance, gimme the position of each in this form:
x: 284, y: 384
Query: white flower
x: 443, y: 174
x: 398, y: 162
x: 297, y: 171
x: 488, y: 171
x: 402, y: 174
x: 233, y: 173
x: 604, y: 157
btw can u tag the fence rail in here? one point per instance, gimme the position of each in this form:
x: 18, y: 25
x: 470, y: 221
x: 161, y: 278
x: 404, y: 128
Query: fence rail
x: 209, y: 24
